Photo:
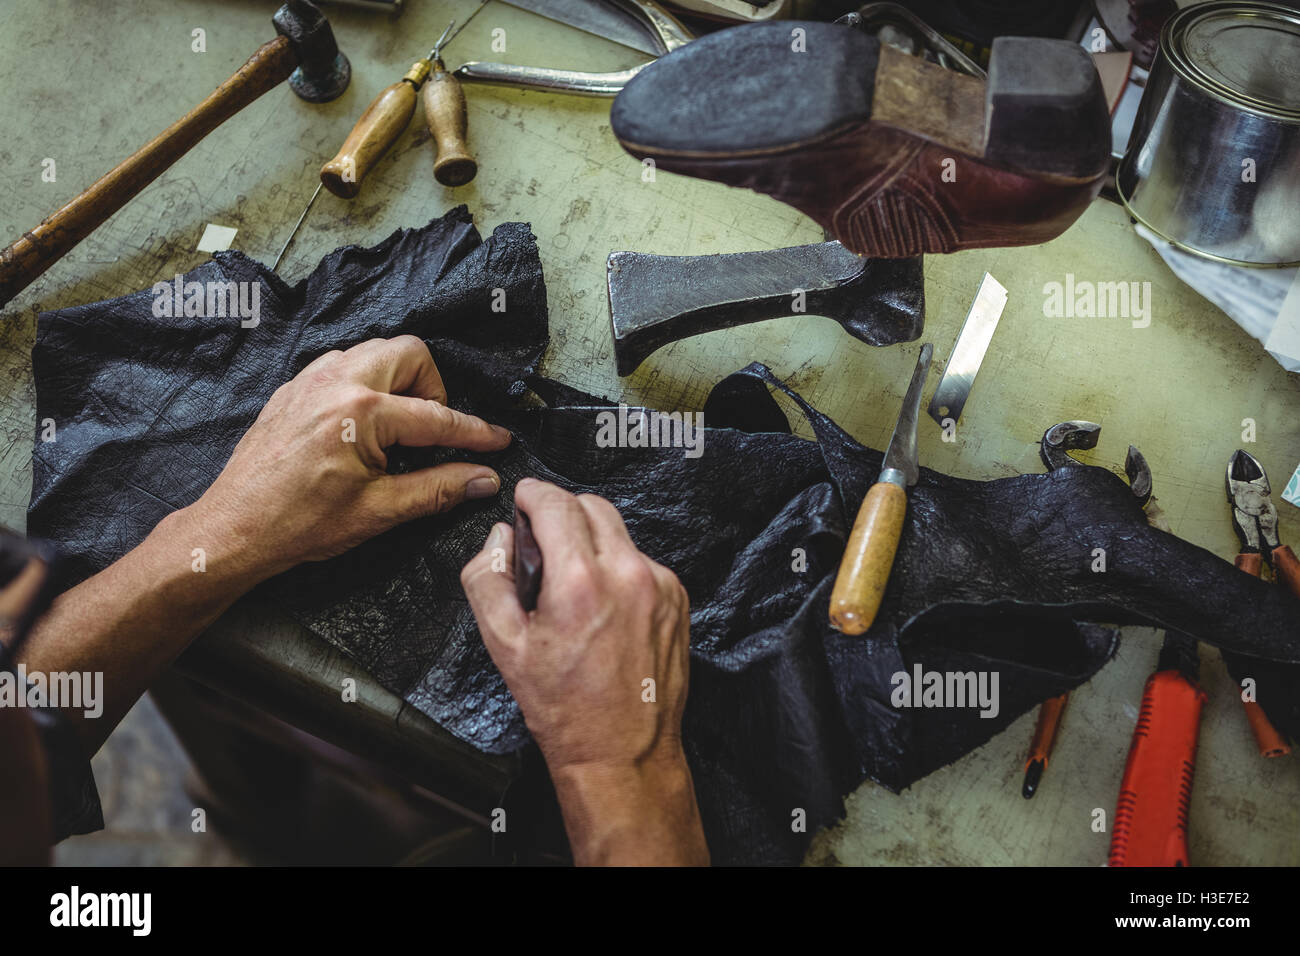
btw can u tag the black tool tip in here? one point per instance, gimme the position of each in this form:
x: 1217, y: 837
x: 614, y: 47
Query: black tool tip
x: 1033, y: 774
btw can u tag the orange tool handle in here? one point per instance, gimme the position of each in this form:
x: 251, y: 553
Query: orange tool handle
x: 1287, y: 567
x: 1049, y: 720
x: 1151, y: 814
x: 1270, y: 742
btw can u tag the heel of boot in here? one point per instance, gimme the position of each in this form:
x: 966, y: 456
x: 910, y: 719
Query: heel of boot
x: 1046, y: 110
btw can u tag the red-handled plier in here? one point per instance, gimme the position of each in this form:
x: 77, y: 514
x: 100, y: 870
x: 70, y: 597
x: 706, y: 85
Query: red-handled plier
x: 1150, y: 826
x: 1255, y: 521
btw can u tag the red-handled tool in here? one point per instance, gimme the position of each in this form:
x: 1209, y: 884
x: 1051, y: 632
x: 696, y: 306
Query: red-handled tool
x: 1150, y: 826
x: 1255, y: 520
x: 1040, y: 747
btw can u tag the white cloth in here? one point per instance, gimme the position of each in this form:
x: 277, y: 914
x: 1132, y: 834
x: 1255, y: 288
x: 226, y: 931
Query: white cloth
x: 1264, y: 302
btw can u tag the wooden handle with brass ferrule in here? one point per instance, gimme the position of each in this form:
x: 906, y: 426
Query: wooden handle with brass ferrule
x: 383, y: 121
x: 868, y: 558
x: 444, y: 111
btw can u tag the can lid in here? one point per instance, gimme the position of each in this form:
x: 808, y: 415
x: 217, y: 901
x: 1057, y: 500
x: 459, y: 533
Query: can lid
x: 1248, y: 53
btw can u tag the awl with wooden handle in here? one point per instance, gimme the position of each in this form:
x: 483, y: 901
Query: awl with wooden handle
x: 388, y: 116
x: 384, y: 120
x: 444, y: 111
x: 869, y: 556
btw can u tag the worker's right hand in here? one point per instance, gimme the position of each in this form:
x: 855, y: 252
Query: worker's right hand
x: 608, y: 620
x: 308, y: 480
x: 599, y: 670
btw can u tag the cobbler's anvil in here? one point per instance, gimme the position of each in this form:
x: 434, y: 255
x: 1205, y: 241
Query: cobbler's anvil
x: 654, y: 300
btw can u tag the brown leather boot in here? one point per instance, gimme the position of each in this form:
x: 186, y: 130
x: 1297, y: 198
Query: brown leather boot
x: 892, y: 155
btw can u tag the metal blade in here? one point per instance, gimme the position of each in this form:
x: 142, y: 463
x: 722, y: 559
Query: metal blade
x: 901, y: 455
x: 654, y: 300
x: 596, y: 17
x: 981, y: 322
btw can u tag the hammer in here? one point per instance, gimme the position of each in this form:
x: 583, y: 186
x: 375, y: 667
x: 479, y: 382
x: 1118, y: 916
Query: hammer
x: 304, y: 53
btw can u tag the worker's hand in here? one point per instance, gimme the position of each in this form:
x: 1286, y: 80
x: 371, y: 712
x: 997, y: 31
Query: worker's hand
x: 599, y: 670
x: 307, y: 481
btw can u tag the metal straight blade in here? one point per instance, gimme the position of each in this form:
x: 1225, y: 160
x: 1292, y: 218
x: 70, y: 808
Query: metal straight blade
x: 596, y: 17
x: 901, y: 454
x: 981, y: 322
x: 654, y: 300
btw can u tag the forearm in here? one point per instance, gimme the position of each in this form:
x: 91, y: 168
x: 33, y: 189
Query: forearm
x: 643, y: 815
x: 132, y: 620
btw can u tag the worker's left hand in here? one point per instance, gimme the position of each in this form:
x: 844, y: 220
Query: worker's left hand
x: 308, y: 480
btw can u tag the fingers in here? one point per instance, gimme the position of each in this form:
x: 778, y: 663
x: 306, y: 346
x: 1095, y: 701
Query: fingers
x: 431, y: 490
x: 489, y: 583
x: 398, y: 366
x: 419, y: 423
x: 608, y: 531
x: 559, y: 522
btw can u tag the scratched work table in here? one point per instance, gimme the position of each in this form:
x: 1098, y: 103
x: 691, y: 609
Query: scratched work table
x: 1179, y: 389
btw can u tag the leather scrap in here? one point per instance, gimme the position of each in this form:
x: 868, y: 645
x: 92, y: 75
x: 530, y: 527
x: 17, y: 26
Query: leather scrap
x: 784, y: 713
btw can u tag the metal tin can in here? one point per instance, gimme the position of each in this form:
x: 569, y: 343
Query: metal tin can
x: 1213, y: 164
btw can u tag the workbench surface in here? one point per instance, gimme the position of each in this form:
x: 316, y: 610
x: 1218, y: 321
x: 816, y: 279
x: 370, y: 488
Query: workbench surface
x: 87, y: 83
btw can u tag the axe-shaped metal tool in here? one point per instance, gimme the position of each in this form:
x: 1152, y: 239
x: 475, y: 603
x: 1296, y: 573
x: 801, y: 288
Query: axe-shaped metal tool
x: 654, y: 300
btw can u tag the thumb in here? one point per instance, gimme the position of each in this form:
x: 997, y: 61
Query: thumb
x: 490, y: 587
x: 434, y: 490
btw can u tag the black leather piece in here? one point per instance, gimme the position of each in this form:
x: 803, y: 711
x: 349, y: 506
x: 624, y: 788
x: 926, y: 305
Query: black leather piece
x: 784, y: 713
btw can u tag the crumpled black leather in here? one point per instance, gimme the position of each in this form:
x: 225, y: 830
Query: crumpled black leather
x: 784, y: 713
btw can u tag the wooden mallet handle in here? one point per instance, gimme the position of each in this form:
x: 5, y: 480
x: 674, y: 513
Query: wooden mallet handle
x: 868, y: 558
x: 40, y: 248
x: 444, y: 111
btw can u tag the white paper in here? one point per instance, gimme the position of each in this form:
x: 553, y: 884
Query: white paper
x: 216, y: 238
x: 1264, y: 302
x: 1284, y: 341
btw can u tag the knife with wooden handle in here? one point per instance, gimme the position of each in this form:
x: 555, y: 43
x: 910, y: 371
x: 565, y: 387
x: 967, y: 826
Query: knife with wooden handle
x: 869, y: 555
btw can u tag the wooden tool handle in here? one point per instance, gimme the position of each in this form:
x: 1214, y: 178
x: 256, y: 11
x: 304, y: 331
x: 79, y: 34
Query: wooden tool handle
x: 383, y: 121
x: 868, y: 558
x: 41, y: 247
x: 444, y: 111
